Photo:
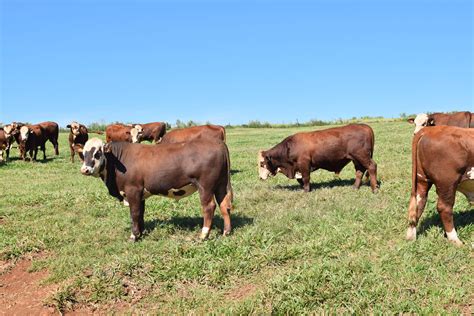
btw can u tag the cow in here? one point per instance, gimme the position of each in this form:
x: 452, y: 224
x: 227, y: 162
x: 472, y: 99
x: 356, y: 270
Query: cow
x: 460, y: 119
x: 78, y: 136
x: 121, y: 133
x: 3, y: 143
x: 12, y: 134
x: 208, y: 131
x: 152, y: 132
x: 133, y: 172
x: 34, y: 136
x: 443, y: 156
x: 330, y: 149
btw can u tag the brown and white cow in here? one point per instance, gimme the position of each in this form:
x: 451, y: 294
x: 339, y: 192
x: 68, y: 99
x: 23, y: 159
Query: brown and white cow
x: 443, y: 156
x: 3, y: 143
x: 459, y: 119
x: 152, y: 132
x: 122, y: 133
x: 34, y: 136
x: 208, y: 131
x: 78, y: 136
x: 12, y: 134
x: 133, y: 172
x: 330, y: 149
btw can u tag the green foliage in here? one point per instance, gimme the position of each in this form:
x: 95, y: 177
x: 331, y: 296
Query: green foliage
x: 333, y: 250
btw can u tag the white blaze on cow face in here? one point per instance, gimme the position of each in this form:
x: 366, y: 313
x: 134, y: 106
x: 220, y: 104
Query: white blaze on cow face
x: 8, y: 129
x: 263, y: 172
x: 75, y: 128
x: 420, y: 121
x: 94, y: 158
x: 135, y: 135
x: 24, y: 132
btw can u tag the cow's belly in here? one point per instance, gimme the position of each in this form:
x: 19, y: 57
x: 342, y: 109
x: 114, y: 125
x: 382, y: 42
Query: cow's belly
x: 467, y: 188
x: 173, y: 193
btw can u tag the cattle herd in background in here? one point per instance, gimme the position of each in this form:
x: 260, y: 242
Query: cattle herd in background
x: 183, y: 161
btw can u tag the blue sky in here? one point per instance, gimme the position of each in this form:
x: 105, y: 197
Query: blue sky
x: 233, y: 61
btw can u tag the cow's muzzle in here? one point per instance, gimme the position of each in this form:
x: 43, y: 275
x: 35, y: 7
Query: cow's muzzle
x: 86, y: 170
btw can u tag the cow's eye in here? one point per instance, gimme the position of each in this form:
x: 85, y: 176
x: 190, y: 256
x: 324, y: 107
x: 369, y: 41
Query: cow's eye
x: 97, y: 155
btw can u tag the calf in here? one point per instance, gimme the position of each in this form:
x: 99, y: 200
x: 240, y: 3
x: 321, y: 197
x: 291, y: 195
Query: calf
x: 330, y: 149
x: 133, y: 172
x: 208, y: 131
x: 32, y: 137
x: 443, y: 156
x: 121, y: 133
x: 152, y: 132
x: 460, y: 119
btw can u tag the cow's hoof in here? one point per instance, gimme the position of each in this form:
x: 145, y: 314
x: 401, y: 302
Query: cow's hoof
x: 226, y: 233
x: 204, y: 233
x: 375, y: 191
x: 457, y: 242
x: 411, y: 233
x: 133, y: 238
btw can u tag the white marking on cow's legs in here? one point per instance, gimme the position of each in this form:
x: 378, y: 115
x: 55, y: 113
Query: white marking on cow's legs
x: 205, y: 232
x: 411, y: 233
x: 453, y: 237
x: 133, y: 237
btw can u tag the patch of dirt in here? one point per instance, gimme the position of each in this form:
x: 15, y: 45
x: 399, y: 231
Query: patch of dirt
x: 242, y: 292
x: 21, y: 292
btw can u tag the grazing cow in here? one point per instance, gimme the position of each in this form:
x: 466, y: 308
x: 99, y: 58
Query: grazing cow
x: 78, y: 136
x: 459, y: 119
x: 331, y: 149
x: 3, y: 143
x: 133, y: 172
x: 443, y: 156
x: 122, y: 133
x: 186, y: 134
x: 152, y: 132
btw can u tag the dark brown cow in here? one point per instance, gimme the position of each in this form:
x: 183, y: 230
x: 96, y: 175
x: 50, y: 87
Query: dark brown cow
x: 330, y: 149
x: 121, y: 133
x: 152, y: 132
x: 186, y: 134
x: 459, y: 119
x: 133, y: 172
x: 443, y: 156
x: 3, y: 143
x: 34, y: 136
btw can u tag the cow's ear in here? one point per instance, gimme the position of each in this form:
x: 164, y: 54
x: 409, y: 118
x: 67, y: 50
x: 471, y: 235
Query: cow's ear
x: 431, y: 122
x: 83, y: 129
x: 411, y: 120
x: 107, y: 148
x: 68, y: 126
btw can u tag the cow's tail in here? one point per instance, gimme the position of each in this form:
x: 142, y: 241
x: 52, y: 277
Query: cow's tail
x: 413, y: 206
x: 230, y: 193
x: 223, y: 134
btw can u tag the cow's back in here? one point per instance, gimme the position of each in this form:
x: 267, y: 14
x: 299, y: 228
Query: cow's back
x: 209, y: 131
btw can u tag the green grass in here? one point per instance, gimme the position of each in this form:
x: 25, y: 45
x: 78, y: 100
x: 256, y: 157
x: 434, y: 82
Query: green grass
x: 332, y: 250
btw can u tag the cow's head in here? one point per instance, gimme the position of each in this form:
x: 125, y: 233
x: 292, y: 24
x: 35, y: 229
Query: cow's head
x: 94, y: 157
x: 136, y: 132
x: 25, y: 132
x: 75, y: 128
x: 10, y: 130
x: 265, y: 166
x: 420, y: 121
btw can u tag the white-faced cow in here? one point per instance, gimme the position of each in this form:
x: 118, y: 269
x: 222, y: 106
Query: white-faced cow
x: 34, y: 136
x: 208, y: 131
x: 152, y: 132
x: 330, y: 149
x: 133, y: 172
x: 122, y: 133
x: 459, y: 119
x: 443, y: 156
x: 12, y: 135
x: 78, y: 136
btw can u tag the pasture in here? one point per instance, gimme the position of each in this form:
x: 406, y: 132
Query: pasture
x: 332, y: 250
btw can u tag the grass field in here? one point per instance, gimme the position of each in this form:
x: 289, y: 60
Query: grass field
x: 332, y: 250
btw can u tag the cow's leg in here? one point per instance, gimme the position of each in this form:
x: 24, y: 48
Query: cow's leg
x: 446, y: 197
x: 369, y: 165
x: 71, y: 147
x: 35, y: 153
x: 359, y: 174
x: 43, y: 148
x: 208, y: 207
x: 305, y: 171
x: 141, y: 222
x: 7, y: 152
x: 54, y: 141
x: 224, y: 199
x: 417, y: 206
x: 137, y: 209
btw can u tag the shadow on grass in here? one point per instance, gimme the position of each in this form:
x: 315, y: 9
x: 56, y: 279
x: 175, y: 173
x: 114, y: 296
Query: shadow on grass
x: 234, y: 171
x: 318, y: 185
x: 194, y: 222
x: 461, y: 219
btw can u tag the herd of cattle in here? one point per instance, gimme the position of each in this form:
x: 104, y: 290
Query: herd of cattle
x: 183, y: 161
